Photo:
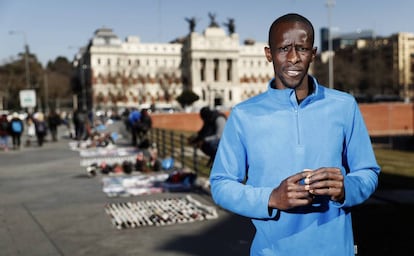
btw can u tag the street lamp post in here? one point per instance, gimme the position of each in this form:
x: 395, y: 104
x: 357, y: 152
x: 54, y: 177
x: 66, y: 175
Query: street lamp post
x: 81, y: 66
x: 26, y: 55
x: 329, y: 5
x: 46, y: 93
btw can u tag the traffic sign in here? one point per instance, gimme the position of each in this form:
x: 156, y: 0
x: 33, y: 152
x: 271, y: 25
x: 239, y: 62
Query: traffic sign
x: 27, y: 98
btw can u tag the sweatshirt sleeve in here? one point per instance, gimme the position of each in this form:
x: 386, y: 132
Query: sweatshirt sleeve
x: 360, y: 163
x: 229, y: 173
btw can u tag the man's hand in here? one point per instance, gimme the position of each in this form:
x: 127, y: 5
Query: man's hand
x: 301, y: 188
x: 326, y: 181
x: 291, y: 193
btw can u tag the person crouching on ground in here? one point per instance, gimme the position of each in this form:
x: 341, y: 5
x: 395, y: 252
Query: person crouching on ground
x: 208, y: 137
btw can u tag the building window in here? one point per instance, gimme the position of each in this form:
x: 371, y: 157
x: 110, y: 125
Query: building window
x: 109, y: 62
x: 203, y: 92
x: 230, y: 95
x: 216, y: 69
x: 202, y: 69
x: 229, y: 68
x: 99, y: 61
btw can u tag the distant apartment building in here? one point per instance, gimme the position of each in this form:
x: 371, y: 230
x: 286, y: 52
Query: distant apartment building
x: 396, y: 53
x: 130, y: 73
x: 403, y: 56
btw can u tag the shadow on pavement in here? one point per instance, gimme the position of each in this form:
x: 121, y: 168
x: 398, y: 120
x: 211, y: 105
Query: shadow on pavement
x: 384, y: 224
x: 381, y: 226
x: 231, y: 236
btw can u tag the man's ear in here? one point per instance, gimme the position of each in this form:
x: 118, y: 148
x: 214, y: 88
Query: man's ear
x: 314, y: 51
x: 268, y: 54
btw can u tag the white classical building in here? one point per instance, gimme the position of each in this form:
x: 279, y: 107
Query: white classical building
x: 214, y: 65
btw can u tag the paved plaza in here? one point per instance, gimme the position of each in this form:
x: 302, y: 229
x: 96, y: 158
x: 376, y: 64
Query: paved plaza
x: 50, y: 206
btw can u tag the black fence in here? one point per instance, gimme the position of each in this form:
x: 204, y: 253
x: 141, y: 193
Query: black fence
x: 174, y: 144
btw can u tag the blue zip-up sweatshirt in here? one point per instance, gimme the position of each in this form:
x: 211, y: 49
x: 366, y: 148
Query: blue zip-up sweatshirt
x: 270, y: 137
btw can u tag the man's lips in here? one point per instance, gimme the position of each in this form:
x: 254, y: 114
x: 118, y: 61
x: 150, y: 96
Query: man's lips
x: 293, y: 73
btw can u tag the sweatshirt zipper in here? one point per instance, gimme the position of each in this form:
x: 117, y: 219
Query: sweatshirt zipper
x: 296, y: 109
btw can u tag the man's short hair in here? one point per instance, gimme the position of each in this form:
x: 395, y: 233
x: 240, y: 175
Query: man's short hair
x: 291, y: 17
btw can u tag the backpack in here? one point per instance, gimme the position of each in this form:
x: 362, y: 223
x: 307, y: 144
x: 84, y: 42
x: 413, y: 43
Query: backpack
x: 16, y: 126
x: 41, y: 127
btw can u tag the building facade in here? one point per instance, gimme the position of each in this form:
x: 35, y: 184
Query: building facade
x: 395, y: 51
x: 213, y: 64
x: 403, y: 56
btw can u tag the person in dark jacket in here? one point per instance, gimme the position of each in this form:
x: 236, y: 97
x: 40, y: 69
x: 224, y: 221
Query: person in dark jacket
x: 134, y: 123
x: 144, y: 125
x: 208, y: 137
x: 16, y: 130
x: 4, y: 132
x: 79, y: 121
x: 41, y: 128
x: 53, y: 122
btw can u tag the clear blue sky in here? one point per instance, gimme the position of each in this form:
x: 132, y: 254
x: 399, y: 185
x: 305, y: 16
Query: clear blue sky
x: 54, y: 27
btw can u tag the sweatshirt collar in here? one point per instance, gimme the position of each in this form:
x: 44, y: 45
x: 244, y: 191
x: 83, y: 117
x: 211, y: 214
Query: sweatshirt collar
x: 288, y: 95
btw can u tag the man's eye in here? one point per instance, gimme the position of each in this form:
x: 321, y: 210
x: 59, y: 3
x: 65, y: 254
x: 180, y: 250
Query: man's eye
x: 284, y: 49
x: 302, y: 49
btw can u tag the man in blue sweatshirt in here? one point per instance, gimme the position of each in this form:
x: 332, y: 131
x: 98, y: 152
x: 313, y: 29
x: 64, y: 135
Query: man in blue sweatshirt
x: 297, y: 157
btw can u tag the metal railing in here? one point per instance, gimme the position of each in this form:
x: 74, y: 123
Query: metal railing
x: 174, y: 144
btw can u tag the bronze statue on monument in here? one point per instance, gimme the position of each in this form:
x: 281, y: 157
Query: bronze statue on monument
x: 231, y: 27
x: 192, y: 23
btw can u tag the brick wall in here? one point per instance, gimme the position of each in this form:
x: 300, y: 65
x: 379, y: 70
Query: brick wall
x: 177, y: 121
x: 381, y: 119
x: 389, y: 118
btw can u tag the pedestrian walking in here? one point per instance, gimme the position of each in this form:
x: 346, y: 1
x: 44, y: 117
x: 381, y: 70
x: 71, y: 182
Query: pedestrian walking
x: 16, y: 130
x: 54, y: 121
x: 41, y: 128
x: 31, y: 130
x: 79, y: 122
x: 134, y: 120
x: 4, y: 132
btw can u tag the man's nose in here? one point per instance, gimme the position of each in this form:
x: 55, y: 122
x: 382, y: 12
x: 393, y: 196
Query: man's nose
x: 293, y: 55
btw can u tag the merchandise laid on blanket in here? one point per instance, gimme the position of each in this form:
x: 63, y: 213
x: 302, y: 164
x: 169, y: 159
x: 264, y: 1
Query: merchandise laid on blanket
x: 161, y: 212
x: 133, y: 171
x: 96, y: 140
x: 141, y: 178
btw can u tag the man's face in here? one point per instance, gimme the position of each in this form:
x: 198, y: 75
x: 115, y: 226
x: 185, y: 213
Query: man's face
x: 291, y: 52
